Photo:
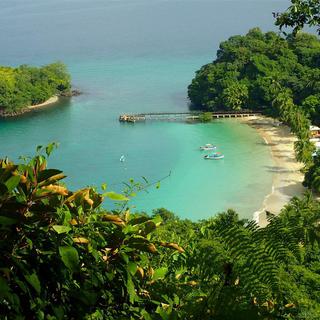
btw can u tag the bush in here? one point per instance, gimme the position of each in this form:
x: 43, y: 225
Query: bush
x: 205, y: 117
x: 65, y: 257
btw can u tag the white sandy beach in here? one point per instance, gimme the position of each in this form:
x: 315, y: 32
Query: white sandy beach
x: 287, y: 178
x: 51, y: 100
x: 21, y: 111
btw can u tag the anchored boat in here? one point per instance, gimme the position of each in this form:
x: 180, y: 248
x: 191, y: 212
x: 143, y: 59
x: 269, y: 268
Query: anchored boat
x: 208, y: 147
x: 214, y: 156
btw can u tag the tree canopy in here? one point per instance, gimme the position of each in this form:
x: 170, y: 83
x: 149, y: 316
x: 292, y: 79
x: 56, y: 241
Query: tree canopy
x: 25, y: 85
x: 249, y: 71
x: 299, y: 14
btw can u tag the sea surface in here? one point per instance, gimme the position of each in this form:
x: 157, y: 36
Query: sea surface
x: 138, y: 56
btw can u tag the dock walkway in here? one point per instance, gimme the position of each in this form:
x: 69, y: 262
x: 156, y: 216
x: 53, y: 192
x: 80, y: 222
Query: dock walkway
x: 178, y: 116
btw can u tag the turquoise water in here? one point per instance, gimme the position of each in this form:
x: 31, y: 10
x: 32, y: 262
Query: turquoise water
x: 132, y: 57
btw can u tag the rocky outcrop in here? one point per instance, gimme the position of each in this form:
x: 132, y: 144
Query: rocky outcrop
x: 72, y: 93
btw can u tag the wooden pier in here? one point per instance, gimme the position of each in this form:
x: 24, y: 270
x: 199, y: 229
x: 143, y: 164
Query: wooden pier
x: 180, y: 116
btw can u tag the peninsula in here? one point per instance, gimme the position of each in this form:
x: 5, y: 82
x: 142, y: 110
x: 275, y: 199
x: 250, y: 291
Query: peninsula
x: 25, y: 88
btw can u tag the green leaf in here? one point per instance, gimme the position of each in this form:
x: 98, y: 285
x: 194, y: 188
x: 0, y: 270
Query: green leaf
x: 149, y: 226
x: 48, y: 173
x: 58, y: 312
x: 145, y: 315
x: 61, y: 229
x: 4, y: 288
x: 131, y: 289
x: 132, y: 267
x: 12, y: 182
x: 163, y: 314
x: 176, y: 299
x: 115, y: 196
x: 39, y: 148
x: 159, y: 273
x: 124, y: 257
x: 5, y: 221
x: 104, y: 186
x: 70, y: 257
x: 34, y: 281
x: 203, y: 230
x: 157, y: 220
x: 49, y: 148
x: 22, y: 285
x: 145, y: 180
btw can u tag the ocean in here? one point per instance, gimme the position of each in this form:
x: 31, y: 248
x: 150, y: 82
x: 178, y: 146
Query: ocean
x: 130, y: 57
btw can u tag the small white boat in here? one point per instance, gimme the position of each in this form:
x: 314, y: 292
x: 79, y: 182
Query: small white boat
x: 214, y: 156
x: 122, y: 158
x: 208, y: 147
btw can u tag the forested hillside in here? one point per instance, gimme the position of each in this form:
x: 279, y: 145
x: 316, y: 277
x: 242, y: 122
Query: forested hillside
x: 250, y: 69
x: 25, y: 85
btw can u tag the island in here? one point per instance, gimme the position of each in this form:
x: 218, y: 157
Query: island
x: 26, y: 87
x: 250, y: 71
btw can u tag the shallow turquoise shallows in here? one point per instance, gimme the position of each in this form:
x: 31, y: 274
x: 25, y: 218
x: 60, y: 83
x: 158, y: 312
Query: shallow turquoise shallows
x: 137, y: 56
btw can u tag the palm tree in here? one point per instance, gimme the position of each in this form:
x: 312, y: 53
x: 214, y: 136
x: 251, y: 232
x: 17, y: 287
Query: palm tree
x: 300, y: 124
x: 303, y: 216
x: 303, y: 149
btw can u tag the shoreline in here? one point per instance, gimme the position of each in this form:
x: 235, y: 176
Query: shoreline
x: 51, y: 100
x: 287, y: 178
x: 24, y: 110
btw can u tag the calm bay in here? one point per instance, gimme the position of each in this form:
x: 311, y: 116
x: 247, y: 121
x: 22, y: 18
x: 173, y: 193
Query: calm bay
x: 137, y: 56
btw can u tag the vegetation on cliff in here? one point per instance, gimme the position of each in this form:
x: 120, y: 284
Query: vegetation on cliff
x: 250, y: 69
x: 25, y: 85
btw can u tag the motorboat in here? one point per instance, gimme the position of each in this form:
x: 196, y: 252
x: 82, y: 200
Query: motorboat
x: 208, y: 147
x: 214, y: 156
x: 122, y: 158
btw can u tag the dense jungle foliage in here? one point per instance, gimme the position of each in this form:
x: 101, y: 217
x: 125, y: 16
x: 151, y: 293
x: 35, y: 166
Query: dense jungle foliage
x: 300, y: 14
x: 64, y: 256
x: 25, y: 86
x: 249, y: 70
